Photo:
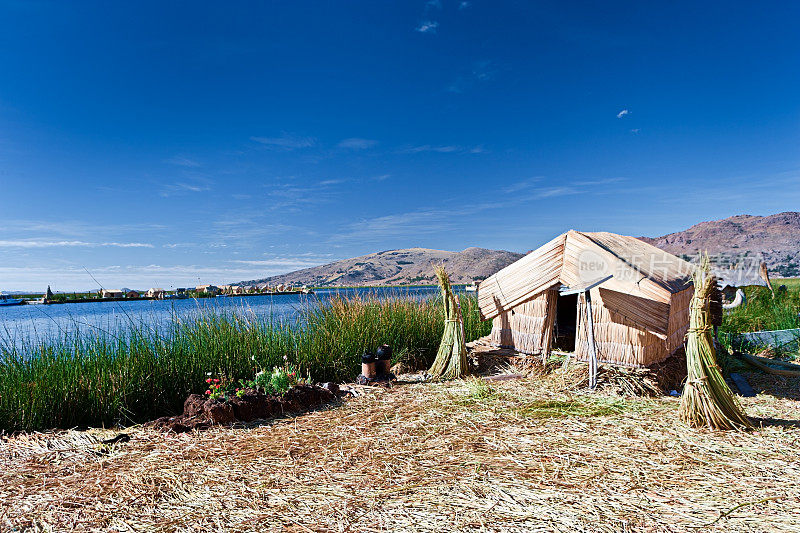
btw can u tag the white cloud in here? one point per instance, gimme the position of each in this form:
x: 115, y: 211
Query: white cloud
x: 433, y: 4
x: 357, y: 143
x: 428, y: 26
x: 623, y: 113
x: 463, y: 5
x: 56, y: 244
x: 286, y: 141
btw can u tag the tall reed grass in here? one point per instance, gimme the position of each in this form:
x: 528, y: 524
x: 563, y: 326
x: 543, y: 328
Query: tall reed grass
x: 97, y: 378
x: 763, y: 312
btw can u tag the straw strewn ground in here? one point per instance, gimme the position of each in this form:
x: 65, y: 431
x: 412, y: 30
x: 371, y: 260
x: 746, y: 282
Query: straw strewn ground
x: 516, y: 456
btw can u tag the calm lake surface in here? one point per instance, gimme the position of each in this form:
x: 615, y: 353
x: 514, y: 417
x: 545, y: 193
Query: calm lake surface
x: 40, y: 322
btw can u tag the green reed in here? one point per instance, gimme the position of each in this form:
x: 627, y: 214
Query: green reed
x: 92, y: 378
x: 764, y: 312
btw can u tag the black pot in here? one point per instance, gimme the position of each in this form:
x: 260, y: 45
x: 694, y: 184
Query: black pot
x: 384, y: 352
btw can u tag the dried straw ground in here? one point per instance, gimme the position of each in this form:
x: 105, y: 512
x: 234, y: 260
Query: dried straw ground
x: 517, y: 455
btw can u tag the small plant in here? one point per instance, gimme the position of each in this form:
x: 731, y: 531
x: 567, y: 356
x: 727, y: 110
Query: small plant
x: 215, y: 389
x: 280, y: 380
x: 478, y: 389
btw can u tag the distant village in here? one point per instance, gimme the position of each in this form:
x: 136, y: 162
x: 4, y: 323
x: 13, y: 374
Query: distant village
x: 157, y: 293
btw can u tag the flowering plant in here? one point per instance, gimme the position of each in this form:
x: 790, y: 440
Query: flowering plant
x: 215, y: 389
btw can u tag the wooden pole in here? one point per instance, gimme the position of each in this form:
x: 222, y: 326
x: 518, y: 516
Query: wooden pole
x: 592, y: 345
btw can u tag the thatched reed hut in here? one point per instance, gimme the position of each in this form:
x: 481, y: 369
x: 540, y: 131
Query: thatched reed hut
x: 639, y: 298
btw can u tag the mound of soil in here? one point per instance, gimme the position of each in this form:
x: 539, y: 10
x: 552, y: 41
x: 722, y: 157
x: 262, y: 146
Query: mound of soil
x: 201, y: 413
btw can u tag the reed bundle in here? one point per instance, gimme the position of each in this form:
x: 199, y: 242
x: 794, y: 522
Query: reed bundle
x: 451, y: 359
x: 706, y: 400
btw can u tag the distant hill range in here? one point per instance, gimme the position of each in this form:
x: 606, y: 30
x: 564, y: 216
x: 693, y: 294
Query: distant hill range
x: 399, y: 267
x: 776, y: 238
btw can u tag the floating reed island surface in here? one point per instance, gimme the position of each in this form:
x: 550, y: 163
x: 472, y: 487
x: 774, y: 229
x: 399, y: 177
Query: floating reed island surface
x: 95, y: 378
x: 524, y: 455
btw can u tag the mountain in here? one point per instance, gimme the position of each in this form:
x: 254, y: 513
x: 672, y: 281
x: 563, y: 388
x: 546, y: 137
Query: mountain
x: 399, y: 267
x: 775, y: 237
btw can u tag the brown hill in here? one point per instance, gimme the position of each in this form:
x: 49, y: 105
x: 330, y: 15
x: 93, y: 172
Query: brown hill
x: 399, y: 267
x: 775, y: 237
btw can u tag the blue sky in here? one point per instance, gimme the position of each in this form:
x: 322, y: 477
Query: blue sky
x: 158, y: 143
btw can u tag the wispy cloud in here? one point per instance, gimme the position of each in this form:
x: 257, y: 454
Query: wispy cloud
x: 635, y: 130
x: 433, y: 4
x: 522, y: 185
x: 623, y: 113
x: 599, y: 181
x: 427, y: 26
x: 327, y: 183
x: 187, y: 186
x: 357, y: 143
x: 76, y: 230
x: 443, y: 149
x: 413, y: 223
x: 463, y: 5
x: 72, y: 277
x: 531, y: 188
x: 286, y: 141
x: 439, y: 220
x: 550, y: 192
x: 291, y: 263
x: 183, y: 162
x: 56, y: 244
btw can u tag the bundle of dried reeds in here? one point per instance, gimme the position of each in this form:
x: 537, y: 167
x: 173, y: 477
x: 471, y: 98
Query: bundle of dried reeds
x: 451, y: 359
x: 706, y: 400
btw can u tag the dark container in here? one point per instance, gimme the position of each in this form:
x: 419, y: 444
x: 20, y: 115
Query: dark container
x: 384, y: 356
x: 368, y: 365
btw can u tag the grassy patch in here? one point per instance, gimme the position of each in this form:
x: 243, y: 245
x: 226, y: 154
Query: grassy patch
x: 763, y: 312
x: 479, y: 390
x: 791, y: 283
x: 563, y: 408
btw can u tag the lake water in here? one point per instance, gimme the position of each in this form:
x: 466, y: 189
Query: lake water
x: 44, y: 321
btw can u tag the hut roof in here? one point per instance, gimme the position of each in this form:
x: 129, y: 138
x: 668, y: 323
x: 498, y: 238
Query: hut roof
x: 579, y: 258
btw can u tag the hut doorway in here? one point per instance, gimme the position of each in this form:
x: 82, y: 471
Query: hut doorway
x: 565, y: 325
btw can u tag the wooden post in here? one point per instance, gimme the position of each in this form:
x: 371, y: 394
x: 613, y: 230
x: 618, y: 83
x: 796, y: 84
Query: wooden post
x: 592, y: 345
x: 584, y: 290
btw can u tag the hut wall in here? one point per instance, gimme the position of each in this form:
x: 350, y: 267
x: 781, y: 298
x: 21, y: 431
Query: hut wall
x: 618, y: 340
x: 679, y: 319
x: 528, y: 327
